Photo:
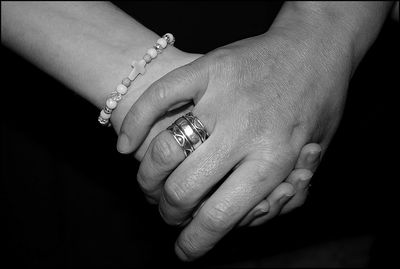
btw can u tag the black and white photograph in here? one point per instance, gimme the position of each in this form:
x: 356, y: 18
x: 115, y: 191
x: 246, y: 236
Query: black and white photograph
x: 199, y: 134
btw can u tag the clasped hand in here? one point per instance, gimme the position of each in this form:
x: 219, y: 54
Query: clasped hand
x: 262, y: 100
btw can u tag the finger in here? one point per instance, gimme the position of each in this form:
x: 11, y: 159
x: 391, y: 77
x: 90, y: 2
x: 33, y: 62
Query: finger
x: 180, y: 86
x: 191, y: 181
x: 276, y: 200
x: 308, y: 159
x: 161, y: 125
x: 243, y: 189
x: 162, y: 157
x: 261, y: 209
x: 300, y: 179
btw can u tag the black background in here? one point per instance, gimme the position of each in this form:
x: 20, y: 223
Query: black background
x: 71, y: 200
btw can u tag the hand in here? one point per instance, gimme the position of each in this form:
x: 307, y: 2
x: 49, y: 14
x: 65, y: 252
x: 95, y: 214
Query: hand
x: 267, y: 208
x: 169, y: 60
x: 290, y: 194
x: 261, y: 99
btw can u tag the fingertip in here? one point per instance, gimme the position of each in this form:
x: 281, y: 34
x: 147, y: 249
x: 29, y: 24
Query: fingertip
x: 299, y: 177
x: 285, y: 195
x: 180, y: 253
x: 313, y: 148
x: 262, y: 208
x: 313, y: 152
x: 287, y: 190
x: 123, y: 144
x: 313, y: 157
x: 303, y: 174
x: 309, y: 156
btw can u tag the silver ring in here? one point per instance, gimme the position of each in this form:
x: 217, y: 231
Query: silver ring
x: 188, y: 132
x: 197, y: 125
x: 181, y: 139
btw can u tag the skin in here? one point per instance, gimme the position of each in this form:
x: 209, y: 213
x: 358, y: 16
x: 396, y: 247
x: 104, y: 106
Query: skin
x: 56, y: 37
x: 262, y: 99
x: 290, y: 194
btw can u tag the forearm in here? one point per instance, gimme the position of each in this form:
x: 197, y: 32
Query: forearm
x: 88, y: 46
x: 349, y: 28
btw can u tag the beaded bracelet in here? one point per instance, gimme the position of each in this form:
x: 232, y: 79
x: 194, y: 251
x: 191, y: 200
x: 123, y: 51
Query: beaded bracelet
x: 138, y: 67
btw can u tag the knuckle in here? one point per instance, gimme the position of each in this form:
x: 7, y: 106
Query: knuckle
x: 162, y: 152
x: 303, y: 175
x: 174, y: 194
x: 169, y: 214
x: 261, y: 169
x: 218, y: 218
x: 188, y: 245
x: 143, y: 182
x: 160, y: 91
x: 162, y: 209
x: 224, y: 56
x: 228, y: 64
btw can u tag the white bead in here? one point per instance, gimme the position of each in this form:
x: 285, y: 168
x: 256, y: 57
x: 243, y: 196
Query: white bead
x: 147, y: 58
x: 126, y: 82
x: 111, y: 103
x: 170, y: 38
x: 122, y: 89
x: 102, y: 121
x: 152, y: 52
x: 107, y: 110
x: 105, y: 115
x: 158, y: 48
x: 163, y: 43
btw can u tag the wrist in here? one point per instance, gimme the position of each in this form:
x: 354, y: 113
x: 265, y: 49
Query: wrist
x: 170, y: 59
x: 344, y: 30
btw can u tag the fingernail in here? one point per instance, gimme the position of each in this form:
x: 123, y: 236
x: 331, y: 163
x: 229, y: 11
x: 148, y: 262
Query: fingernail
x: 261, y: 211
x: 123, y: 143
x: 180, y: 253
x: 284, y: 199
x: 306, y: 177
x: 303, y: 183
x: 290, y: 193
x: 313, y: 156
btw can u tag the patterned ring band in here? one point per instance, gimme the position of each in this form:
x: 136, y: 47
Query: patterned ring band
x: 181, y: 139
x: 189, y: 132
x: 197, y: 126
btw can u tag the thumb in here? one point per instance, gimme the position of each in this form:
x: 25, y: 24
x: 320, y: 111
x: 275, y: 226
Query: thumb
x: 178, y: 87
